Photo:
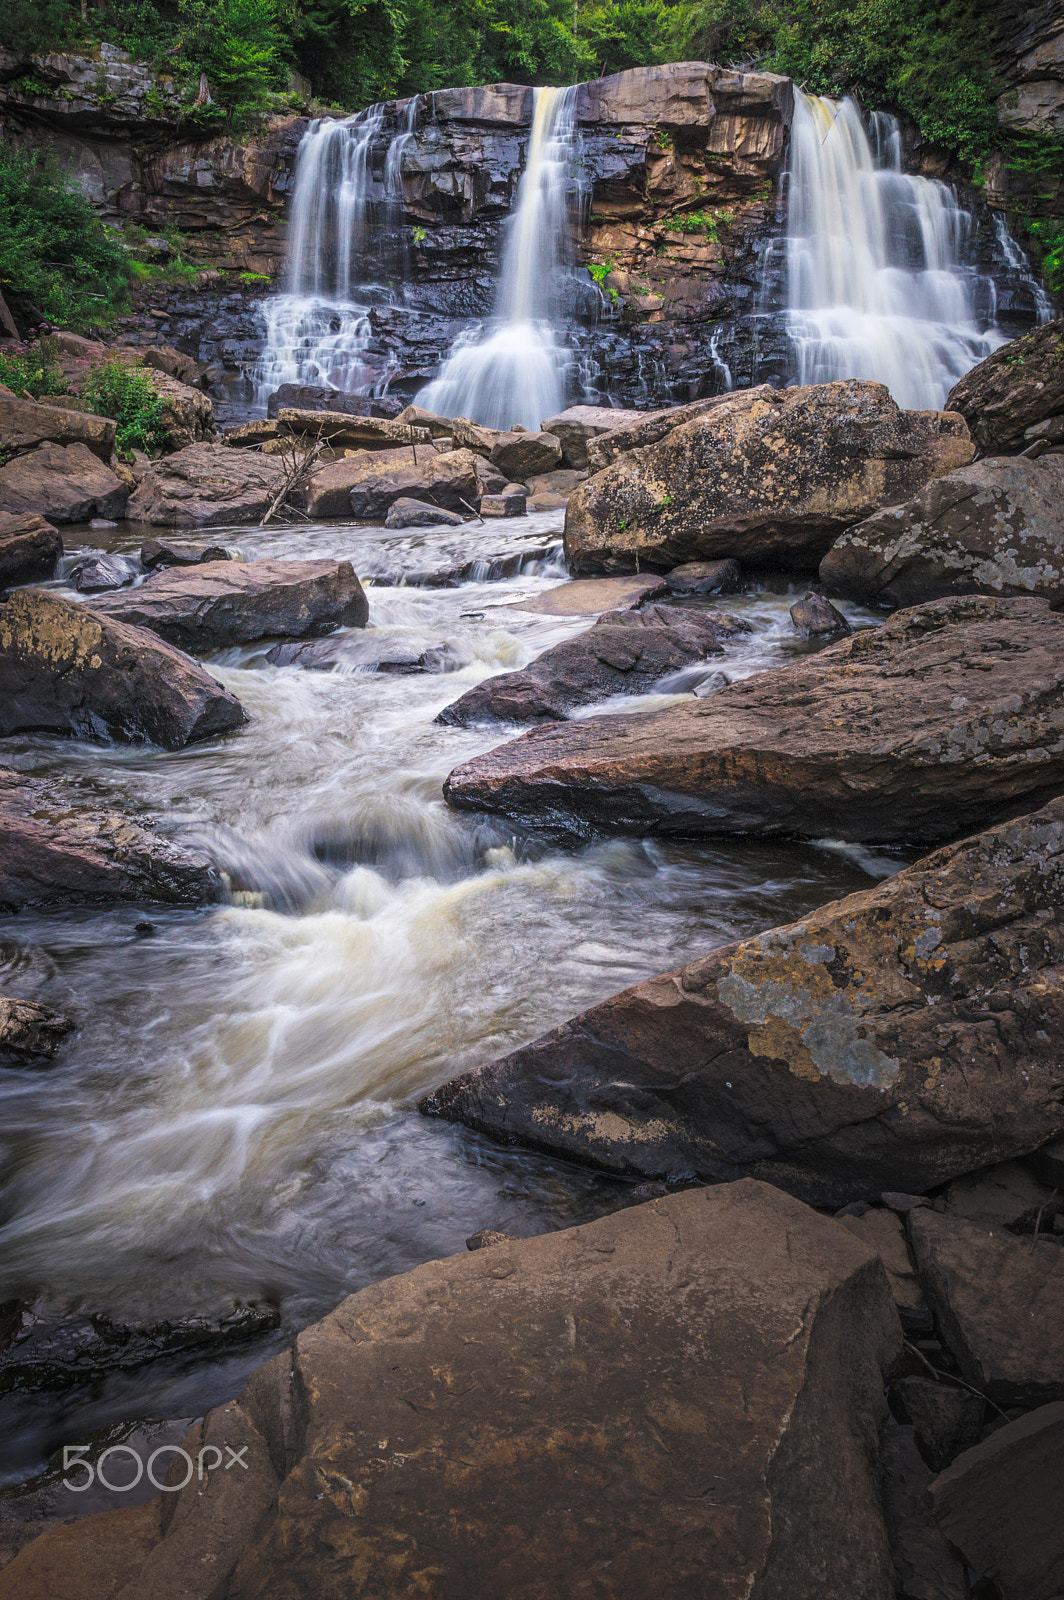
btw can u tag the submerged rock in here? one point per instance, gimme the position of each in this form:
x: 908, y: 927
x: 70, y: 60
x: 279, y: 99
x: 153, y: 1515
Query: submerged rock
x: 669, y: 1377
x: 995, y: 527
x: 625, y: 652
x: 888, y: 1041
x: 29, y: 1029
x: 945, y: 716
x: 372, y: 651
x: 220, y: 603
x: 65, y: 668
x: 56, y: 851
x: 171, y: 553
x: 205, y: 486
x: 1018, y: 385
x: 30, y: 549
x: 769, y: 476
x: 63, y: 483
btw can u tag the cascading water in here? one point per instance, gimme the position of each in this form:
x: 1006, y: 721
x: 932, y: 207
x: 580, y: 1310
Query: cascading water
x: 515, y: 370
x: 878, y: 284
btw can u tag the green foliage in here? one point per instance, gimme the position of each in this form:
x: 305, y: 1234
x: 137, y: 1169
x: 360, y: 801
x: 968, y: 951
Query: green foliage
x: 721, y: 30
x: 254, y: 280
x: 58, y: 262
x: 707, y: 222
x: 32, y: 368
x: 127, y: 395
x: 600, y: 271
x: 1048, y: 237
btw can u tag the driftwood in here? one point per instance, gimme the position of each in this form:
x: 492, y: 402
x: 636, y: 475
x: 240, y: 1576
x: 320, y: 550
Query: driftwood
x: 298, y: 458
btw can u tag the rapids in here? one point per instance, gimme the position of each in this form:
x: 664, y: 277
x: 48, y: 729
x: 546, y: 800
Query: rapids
x: 236, y: 1115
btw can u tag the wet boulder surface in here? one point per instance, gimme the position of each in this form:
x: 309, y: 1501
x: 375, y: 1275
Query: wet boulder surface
x: 1018, y: 386
x: 995, y: 527
x: 624, y: 652
x: 30, y: 1030
x: 947, y: 715
x: 219, y: 603
x: 889, y: 1041
x: 68, y: 669
x: 766, y: 476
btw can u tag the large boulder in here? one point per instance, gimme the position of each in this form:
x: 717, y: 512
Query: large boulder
x: 943, y: 718
x: 1018, y: 385
x: 520, y: 456
x: 206, y: 486
x: 995, y: 527
x: 220, y: 603
x: 346, y: 432
x: 56, y: 852
x: 63, y: 483
x: 680, y: 1399
x: 635, y: 429
x: 888, y: 1041
x: 66, y: 669
x: 575, y: 427
x: 770, y: 476
x: 187, y: 413
x: 625, y: 652
x: 29, y: 549
x: 367, y: 484
x: 998, y: 1301
x: 24, y: 424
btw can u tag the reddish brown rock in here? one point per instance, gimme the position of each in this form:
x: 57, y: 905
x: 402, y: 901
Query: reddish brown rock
x: 63, y: 483
x: 207, y: 486
x: 1018, y: 385
x: 24, y: 424
x: 888, y: 1041
x: 29, y: 549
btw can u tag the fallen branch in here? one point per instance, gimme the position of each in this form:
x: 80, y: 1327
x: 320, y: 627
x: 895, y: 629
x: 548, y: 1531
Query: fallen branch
x: 297, y: 462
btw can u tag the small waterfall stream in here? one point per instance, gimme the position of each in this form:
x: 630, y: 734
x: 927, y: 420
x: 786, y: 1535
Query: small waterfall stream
x: 515, y: 370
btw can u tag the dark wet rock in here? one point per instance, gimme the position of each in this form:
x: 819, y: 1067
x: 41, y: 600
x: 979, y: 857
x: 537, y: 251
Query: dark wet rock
x: 945, y: 716
x: 62, y: 483
x: 888, y: 1041
x: 372, y: 651
x: 206, y: 486
x: 925, y: 1566
x: 58, y: 851
x: 30, y: 549
x: 588, y: 597
x: 24, y: 424
x: 995, y: 527
x: 315, y: 397
x: 29, y: 1029
x: 816, y: 618
x: 1006, y: 1196
x: 172, y: 553
x: 624, y: 652
x: 998, y: 1300
x: 66, y: 668
x: 520, y: 456
x: 756, y: 1459
x: 705, y: 577
x: 769, y: 476
x: 511, y: 501
x: 884, y: 1232
x: 100, y: 573
x: 221, y: 603
x: 45, y: 1352
x: 1048, y: 1163
x: 945, y: 1419
x: 999, y: 1505
x: 1018, y: 385
x: 579, y: 424
x: 407, y: 513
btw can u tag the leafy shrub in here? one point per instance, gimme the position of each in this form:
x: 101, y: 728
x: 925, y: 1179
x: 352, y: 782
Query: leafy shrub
x: 1048, y: 236
x: 127, y: 395
x: 32, y: 368
x: 58, y: 263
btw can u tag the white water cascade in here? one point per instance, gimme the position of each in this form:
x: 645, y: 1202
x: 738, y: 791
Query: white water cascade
x: 514, y: 370
x: 878, y: 285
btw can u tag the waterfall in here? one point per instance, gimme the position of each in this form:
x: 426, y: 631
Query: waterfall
x: 347, y: 252
x: 879, y: 284
x: 514, y: 370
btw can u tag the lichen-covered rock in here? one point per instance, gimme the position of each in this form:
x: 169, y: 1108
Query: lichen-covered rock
x: 220, y: 603
x: 56, y: 851
x: 813, y: 617
x: 206, y: 486
x: 948, y: 715
x: 888, y: 1041
x: 62, y: 483
x: 1018, y: 384
x: 29, y: 549
x: 625, y: 652
x: 187, y: 414
x: 633, y: 430
x: 771, y: 476
x: 520, y: 456
x: 995, y: 527
x: 67, y: 669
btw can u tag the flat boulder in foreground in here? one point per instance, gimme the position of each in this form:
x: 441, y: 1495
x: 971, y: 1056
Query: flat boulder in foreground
x: 680, y: 1399
x: 206, y: 486
x: 66, y: 669
x: 767, y: 476
x: 889, y: 1041
x: 948, y: 715
x: 995, y: 527
x: 56, y: 851
x: 235, y: 602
